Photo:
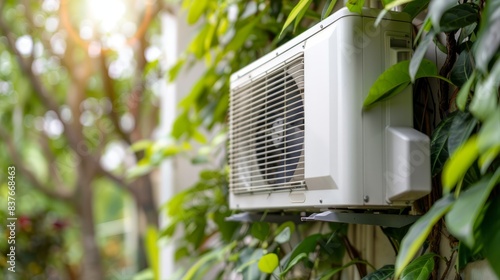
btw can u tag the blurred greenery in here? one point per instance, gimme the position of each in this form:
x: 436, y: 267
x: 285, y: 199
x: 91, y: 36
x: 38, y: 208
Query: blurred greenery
x: 77, y: 83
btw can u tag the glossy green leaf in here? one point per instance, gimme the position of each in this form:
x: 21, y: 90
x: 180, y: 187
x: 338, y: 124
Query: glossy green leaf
x: 268, y: 263
x: 301, y: 15
x: 328, y: 8
x: 418, y: 56
x: 463, y: 94
x: 456, y: 167
x: 293, y: 262
x: 461, y: 129
x: 458, y: 17
x: 489, y: 135
x: 488, y: 40
x: 463, y: 215
x: 383, y: 273
x: 395, y: 79
x: 284, y: 232
x: 420, y: 268
x: 462, y: 70
x: 485, y: 99
x: 439, y: 144
x: 260, y: 230
x: 302, y: 5
x: 396, y: 235
x: 355, y: 5
x: 415, y: 7
x: 489, y: 232
x: 465, y: 256
x: 466, y: 32
x: 437, y: 9
x: 417, y: 234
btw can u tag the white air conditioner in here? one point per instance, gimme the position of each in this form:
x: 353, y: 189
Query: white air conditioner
x: 299, y: 138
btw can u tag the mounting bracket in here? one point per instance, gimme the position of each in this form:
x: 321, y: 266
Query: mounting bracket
x: 385, y: 220
x: 377, y: 219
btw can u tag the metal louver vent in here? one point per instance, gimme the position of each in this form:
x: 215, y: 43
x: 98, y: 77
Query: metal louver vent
x: 266, y: 141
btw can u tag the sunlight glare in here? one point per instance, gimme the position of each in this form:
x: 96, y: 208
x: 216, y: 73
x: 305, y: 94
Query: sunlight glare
x: 106, y: 13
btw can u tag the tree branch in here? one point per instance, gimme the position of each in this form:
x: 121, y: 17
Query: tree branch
x: 110, y: 91
x: 15, y: 155
x: 42, y: 93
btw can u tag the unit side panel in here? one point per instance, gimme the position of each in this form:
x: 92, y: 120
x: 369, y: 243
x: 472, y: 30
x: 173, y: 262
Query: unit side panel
x: 347, y: 52
x: 373, y: 125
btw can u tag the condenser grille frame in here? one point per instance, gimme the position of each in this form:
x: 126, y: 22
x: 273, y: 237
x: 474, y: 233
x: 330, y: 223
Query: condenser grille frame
x: 266, y: 130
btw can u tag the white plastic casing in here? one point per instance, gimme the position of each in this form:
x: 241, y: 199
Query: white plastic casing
x: 349, y: 153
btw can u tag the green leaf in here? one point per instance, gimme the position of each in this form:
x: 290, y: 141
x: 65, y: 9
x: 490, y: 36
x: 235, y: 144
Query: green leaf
x: 141, y: 145
x: 465, y: 256
x: 305, y: 246
x: 195, y: 10
x: 485, y: 99
x: 396, y: 235
x: 300, y: 16
x: 416, y: 7
x: 437, y: 9
x: 329, y: 274
x: 488, y: 40
x: 458, y: 17
x: 462, y: 70
x: 174, y: 71
x: 302, y: 5
x: 241, y: 36
x: 395, y: 79
x: 293, y: 262
x: 355, y: 5
x: 463, y: 94
x: 418, y: 56
x: 268, y: 263
x: 383, y: 273
x: 217, y: 254
x: 260, y: 230
x: 419, y: 231
x: 284, y: 232
x: 487, y: 158
x: 152, y: 250
x: 396, y: 3
x: 461, y: 128
x: 328, y: 8
x: 489, y: 135
x: 466, y: 32
x: 456, y: 167
x: 463, y: 215
x: 420, y: 268
x: 489, y: 232
x: 439, y: 144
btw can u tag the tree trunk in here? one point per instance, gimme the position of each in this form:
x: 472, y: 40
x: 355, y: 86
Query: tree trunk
x: 142, y: 190
x: 92, y: 265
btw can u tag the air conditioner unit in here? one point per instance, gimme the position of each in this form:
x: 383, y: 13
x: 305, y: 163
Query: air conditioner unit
x: 299, y: 137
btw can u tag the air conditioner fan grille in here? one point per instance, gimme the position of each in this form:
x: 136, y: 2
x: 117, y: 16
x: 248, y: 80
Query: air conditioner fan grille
x: 266, y: 124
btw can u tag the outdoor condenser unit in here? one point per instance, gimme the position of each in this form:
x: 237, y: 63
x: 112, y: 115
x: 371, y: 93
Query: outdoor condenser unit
x: 299, y: 137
